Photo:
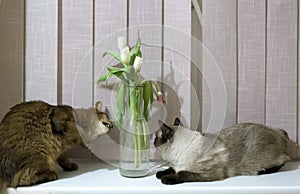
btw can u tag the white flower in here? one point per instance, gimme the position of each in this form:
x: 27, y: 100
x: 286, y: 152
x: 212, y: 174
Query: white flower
x: 125, y: 55
x: 121, y: 42
x: 137, y: 63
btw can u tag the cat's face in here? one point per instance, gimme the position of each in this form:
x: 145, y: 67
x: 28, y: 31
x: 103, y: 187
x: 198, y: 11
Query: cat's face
x: 92, y: 123
x: 105, y: 124
x: 165, y: 133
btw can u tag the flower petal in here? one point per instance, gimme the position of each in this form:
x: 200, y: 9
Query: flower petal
x: 125, y: 55
x: 121, y: 42
x: 137, y: 64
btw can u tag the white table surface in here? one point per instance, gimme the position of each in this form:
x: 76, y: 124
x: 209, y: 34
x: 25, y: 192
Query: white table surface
x: 94, y: 177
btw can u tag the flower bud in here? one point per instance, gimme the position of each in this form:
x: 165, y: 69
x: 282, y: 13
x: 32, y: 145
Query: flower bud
x: 125, y: 55
x: 121, y: 42
x: 137, y: 63
x: 160, y: 97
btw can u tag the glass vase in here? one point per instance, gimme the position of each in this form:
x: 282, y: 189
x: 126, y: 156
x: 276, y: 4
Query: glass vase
x: 134, y: 136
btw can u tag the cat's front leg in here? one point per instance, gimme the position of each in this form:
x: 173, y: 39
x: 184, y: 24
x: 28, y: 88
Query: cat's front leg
x: 168, y: 171
x: 171, y: 179
x: 64, y: 162
x: 185, y: 176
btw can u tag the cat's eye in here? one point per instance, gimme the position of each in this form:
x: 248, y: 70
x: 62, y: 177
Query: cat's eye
x: 164, y: 138
x: 107, y: 125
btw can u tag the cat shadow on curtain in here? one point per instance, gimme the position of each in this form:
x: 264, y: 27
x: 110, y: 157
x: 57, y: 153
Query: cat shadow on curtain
x: 171, y: 90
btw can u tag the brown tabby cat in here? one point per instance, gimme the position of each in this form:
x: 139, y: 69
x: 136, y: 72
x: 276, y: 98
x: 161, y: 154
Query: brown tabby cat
x: 242, y: 149
x: 34, y: 135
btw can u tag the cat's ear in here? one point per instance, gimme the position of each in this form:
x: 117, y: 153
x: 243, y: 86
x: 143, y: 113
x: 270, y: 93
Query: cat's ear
x: 160, y: 123
x: 177, y: 122
x: 98, y: 106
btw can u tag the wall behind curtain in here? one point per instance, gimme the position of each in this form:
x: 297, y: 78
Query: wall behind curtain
x: 255, y: 44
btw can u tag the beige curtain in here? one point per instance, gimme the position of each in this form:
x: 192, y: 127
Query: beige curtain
x: 250, y: 45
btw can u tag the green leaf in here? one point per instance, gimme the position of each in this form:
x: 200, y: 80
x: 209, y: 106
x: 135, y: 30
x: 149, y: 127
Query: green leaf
x: 138, y: 46
x: 151, y: 88
x: 115, y: 71
x: 132, y: 58
x: 115, y: 54
x: 120, y: 105
x: 130, y: 73
x: 138, y: 42
x: 147, y: 96
x: 139, y: 54
x: 118, y: 71
x: 104, y: 77
x: 137, y: 51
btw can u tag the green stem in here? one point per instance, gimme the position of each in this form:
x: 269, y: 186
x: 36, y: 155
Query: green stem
x: 139, y: 127
x: 144, y: 135
x: 133, y: 108
x: 135, y: 140
x: 139, y: 148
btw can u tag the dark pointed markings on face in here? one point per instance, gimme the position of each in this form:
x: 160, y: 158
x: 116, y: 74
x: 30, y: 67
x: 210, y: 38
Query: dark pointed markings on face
x: 164, y: 134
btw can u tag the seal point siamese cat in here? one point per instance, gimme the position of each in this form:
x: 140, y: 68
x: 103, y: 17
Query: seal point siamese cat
x: 242, y: 149
x: 35, y: 135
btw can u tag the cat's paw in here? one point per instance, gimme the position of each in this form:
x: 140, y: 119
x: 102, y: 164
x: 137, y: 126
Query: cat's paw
x: 46, y: 176
x: 160, y: 174
x: 171, y: 179
x: 71, y: 167
x: 169, y: 171
x: 29, y: 176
